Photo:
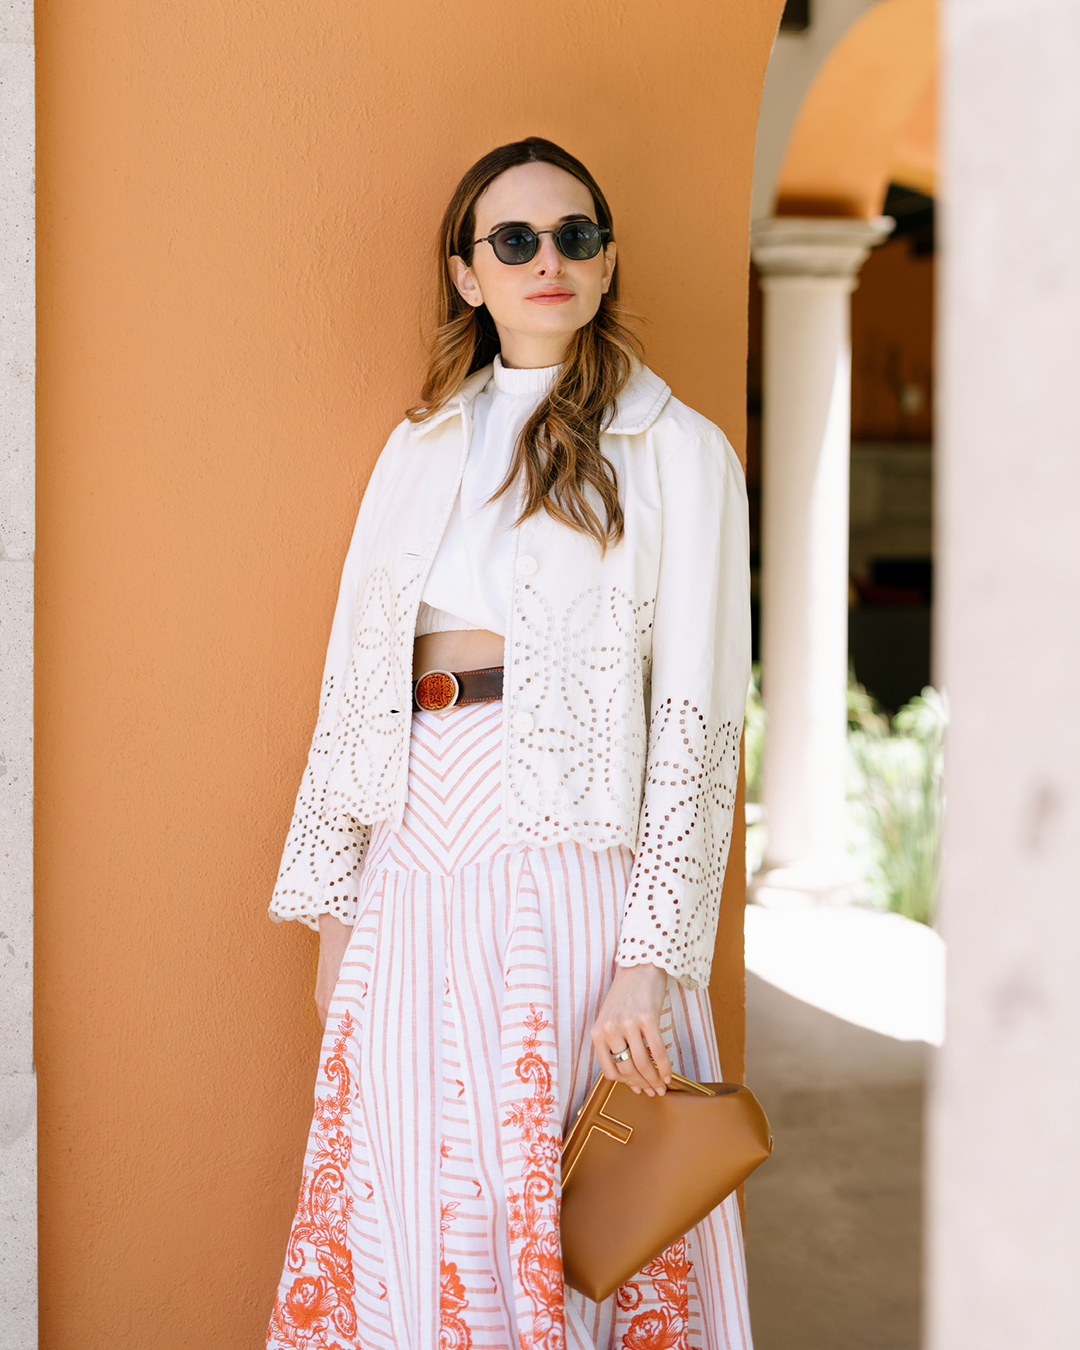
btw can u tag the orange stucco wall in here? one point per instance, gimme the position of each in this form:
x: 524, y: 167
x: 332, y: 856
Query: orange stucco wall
x: 237, y: 205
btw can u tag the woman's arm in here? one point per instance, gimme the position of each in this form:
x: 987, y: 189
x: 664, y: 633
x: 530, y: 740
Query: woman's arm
x: 700, y: 672
x: 324, y: 851
x: 333, y: 939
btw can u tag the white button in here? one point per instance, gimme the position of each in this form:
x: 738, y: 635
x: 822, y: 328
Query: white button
x: 523, y: 723
x: 526, y: 566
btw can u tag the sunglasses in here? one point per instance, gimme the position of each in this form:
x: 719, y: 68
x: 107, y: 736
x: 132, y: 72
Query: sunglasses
x: 576, y: 240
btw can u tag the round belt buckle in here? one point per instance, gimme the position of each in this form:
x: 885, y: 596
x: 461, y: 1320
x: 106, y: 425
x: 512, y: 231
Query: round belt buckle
x: 436, y: 690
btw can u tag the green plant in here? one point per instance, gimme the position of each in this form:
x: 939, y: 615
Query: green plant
x: 896, y: 798
x: 754, y: 743
x: 895, y: 792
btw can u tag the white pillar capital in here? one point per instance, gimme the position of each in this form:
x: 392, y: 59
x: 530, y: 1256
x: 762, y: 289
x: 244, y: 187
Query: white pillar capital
x: 788, y: 247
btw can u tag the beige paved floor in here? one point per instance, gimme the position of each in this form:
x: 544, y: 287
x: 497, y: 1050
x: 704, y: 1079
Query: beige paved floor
x: 833, y: 1219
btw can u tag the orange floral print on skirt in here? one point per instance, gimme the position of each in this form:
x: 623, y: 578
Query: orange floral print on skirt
x: 457, y: 1050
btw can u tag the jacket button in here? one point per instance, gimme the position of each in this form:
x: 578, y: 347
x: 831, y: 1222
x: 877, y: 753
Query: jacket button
x: 523, y: 723
x: 526, y: 566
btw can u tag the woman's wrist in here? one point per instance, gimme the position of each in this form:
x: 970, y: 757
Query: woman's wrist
x: 333, y: 942
x: 333, y: 934
x: 648, y: 971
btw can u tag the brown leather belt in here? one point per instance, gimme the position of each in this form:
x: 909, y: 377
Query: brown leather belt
x: 440, y: 689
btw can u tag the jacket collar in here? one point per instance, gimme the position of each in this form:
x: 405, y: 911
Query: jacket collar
x: 639, y: 404
x: 636, y: 408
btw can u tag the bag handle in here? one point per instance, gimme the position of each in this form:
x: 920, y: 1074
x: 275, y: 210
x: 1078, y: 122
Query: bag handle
x: 682, y: 1084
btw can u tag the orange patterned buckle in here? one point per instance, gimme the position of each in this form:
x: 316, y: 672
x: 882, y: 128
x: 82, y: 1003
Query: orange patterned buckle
x: 436, y: 690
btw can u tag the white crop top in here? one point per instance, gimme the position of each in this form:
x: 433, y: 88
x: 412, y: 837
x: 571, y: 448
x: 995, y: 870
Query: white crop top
x: 469, y: 585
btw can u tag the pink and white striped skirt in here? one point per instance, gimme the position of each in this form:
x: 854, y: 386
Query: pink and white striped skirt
x: 457, y: 1050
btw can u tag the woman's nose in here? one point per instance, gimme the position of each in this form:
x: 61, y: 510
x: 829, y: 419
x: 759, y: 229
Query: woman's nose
x: 548, y: 259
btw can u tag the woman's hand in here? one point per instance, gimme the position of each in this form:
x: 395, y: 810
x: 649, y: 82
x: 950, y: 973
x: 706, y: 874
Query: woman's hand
x: 630, y: 1018
x: 333, y: 939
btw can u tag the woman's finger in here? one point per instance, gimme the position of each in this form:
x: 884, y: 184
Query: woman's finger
x: 626, y: 1069
x: 639, y: 1070
x: 658, y: 1051
x: 607, y: 1044
x: 643, y: 1070
x: 607, y: 1066
x: 622, y: 1069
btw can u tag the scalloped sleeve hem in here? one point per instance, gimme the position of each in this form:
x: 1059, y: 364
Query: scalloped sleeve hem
x: 700, y: 673
x: 320, y: 873
x: 307, y: 910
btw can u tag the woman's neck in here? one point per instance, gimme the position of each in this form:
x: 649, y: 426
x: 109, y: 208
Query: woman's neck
x: 532, y: 351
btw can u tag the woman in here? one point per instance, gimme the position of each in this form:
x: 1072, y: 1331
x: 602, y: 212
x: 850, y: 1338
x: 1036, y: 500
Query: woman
x: 515, y: 868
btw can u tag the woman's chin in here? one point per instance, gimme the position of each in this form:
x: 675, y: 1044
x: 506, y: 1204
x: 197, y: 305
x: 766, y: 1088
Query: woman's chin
x: 549, y: 322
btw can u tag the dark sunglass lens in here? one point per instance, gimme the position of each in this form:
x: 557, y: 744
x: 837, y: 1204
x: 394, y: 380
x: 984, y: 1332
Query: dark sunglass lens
x: 580, y: 239
x: 515, y: 244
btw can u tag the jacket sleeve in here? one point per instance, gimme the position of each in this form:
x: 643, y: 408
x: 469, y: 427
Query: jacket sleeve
x: 324, y: 853
x: 697, y: 700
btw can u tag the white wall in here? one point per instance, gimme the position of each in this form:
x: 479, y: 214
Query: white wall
x: 1005, y: 1118
x: 18, y: 1176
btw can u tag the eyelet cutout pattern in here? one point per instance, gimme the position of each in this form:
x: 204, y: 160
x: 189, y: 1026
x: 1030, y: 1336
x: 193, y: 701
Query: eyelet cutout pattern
x: 597, y: 750
x: 323, y: 856
x: 680, y: 826
x: 369, y: 752
x: 358, y: 761
x: 578, y: 689
x: 673, y: 897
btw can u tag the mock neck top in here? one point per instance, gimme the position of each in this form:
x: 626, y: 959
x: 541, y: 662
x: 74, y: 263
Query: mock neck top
x: 471, y: 579
x: 522, y: 383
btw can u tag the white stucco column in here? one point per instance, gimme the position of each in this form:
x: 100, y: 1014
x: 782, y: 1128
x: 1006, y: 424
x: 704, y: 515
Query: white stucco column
x: 18, y: 1135
x: 1004, y: 1177
x: 808, y: 270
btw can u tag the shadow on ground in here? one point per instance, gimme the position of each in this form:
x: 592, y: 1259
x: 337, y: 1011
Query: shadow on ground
x: 834, y: 1217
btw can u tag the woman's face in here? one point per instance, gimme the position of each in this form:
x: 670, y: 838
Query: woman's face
x: 537, y: 306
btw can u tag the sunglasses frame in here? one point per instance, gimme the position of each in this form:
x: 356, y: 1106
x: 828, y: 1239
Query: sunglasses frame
x: 604, y: 231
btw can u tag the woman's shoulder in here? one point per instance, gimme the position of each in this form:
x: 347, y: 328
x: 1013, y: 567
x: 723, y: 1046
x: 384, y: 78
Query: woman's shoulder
x: 682, y: 431
x: 406, y: 435
x: 682, y: 424
x: 648, y: 405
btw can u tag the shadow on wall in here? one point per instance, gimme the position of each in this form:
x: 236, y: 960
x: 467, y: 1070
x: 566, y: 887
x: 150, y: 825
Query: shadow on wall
x: 834, y: 1221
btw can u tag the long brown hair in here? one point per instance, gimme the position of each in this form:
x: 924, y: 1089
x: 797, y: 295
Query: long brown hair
x: 558, y: 452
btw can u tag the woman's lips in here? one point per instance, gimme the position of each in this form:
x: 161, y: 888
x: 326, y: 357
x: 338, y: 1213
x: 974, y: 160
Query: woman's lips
x: 553, y: 297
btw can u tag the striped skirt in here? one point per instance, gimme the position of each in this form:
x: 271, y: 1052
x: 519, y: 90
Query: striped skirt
x: 456, y: 1051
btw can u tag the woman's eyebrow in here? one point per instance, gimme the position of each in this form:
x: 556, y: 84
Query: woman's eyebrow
x: 563, y: 220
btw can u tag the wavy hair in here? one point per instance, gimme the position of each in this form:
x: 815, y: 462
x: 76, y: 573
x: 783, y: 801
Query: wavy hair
x: 558, y: 453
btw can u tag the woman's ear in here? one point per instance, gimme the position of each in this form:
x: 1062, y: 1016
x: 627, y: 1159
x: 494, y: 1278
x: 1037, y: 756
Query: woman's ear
x: 609, y: 267
x: 465, y: 281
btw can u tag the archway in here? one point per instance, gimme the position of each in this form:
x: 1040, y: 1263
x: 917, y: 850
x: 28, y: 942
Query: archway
x: 835, y: 1231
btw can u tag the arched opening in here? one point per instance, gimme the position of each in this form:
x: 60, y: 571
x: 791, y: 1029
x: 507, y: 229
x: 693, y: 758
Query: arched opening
x: 840, y: 454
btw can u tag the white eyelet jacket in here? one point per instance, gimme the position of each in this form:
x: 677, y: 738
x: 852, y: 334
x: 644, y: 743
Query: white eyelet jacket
x: 625, y: 673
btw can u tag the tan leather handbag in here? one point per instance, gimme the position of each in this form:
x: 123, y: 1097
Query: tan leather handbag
x: 639, y: 1172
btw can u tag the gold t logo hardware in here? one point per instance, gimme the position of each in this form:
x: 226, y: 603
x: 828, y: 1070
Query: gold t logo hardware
x: 614, y: 1129
x: 617, y: 1129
